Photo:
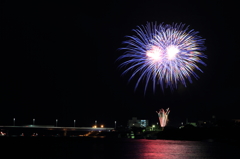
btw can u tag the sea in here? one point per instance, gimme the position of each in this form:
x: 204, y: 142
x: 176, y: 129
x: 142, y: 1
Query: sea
x: 101, y: 148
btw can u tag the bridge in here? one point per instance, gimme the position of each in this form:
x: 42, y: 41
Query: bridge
x: 48, y: 129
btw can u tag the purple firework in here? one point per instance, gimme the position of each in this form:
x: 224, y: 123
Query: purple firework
x: 165, y: 54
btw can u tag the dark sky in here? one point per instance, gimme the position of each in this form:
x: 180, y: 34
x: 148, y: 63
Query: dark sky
x: 58, y: 60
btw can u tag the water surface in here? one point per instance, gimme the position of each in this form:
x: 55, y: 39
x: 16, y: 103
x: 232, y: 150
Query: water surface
x: 79, y: 148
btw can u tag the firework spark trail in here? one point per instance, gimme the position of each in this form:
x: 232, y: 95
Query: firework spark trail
x: 165, y: 54
x: 163, y: 116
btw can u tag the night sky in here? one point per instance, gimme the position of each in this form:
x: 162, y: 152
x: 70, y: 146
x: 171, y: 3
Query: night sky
x: 58, y: 61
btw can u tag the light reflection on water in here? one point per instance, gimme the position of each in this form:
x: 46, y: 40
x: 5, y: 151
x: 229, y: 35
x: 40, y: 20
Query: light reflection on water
x: 145, y: 149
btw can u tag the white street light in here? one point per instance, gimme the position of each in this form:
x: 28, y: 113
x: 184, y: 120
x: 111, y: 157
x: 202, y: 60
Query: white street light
x: 13, y: 121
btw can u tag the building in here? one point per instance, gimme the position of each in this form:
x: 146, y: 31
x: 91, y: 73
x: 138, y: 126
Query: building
x: 143, y: 123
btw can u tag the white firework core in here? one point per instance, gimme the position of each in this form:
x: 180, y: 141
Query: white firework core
x: 155, y: 54
x: 172, y: 52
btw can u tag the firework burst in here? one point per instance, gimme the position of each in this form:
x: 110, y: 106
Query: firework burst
x: 163, y: 116
x: 164, y: 54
